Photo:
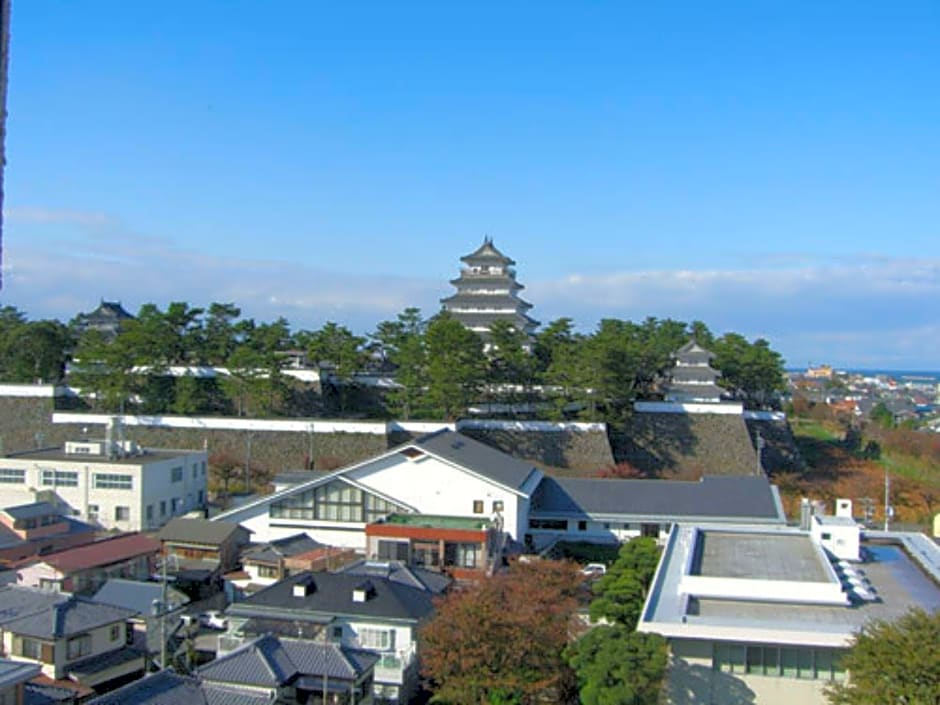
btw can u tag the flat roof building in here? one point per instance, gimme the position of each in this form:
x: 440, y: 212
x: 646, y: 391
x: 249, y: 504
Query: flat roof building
x: 768, y: 612
x: 113, y: 485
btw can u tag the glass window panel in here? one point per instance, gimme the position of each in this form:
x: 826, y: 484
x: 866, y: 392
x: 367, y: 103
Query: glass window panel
x: 838, y: 670
x: 755, y: 659
x: 805, y: 663
x: 720, y: 657
x: 736, y: 654
x: 771, y: 661
x: 788, y: 662
x: 824, y: 664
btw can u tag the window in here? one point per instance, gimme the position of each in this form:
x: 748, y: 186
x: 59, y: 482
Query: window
x: 650, y: 530
x: 106, y: 481
x: 337, y: 633
x: 30, y: 648
x: 203, y: 468
x: 335, y: 501
x: 174, y: 504
x: 268, y: 571
x: 378, y: 639
x: 12, y: 476
x: 93, y: 512
x: 195, y: 470
x: 176, y: 474
x: 778, y: 661
x: 478, y: 506
x: 201, y: 496
x: 582, y: 526
x: 122, y: 513
x: 115, y: 632
x: 826, y: 536
x: 163, y: 507
x: 550, y: 524
x: 393, y: 550
x: 50, y: 584
x: 149, y: 512
x: 497, y: 505
x: 468, y: 554
x: 59, y: 478
x: 78, y: 646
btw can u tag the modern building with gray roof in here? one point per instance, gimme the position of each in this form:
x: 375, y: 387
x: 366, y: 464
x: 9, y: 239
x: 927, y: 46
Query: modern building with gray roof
x: 770, y: 611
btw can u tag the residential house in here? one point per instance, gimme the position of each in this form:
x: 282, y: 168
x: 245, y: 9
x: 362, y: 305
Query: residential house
x: 218, y: 543
x: 29, y: 530
x: 372, y: 612
x: 86, y: 568
x: 157, y: 609
x: 263, y: 671
x: 13, y: 677
x: 71, y: 638
x: 265, y: 564
x: 765, y: 614
x: 114, y: 485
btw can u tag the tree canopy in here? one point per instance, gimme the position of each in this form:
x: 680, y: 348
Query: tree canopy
x: 502, y: 641
x: 440, y: 368
x: 892, y: 662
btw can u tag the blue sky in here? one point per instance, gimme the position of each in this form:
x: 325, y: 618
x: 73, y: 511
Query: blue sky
x: 771, y: 168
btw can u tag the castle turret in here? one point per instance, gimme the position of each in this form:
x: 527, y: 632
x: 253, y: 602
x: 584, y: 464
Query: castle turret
x: 693, y: 378
x: 487, y: 291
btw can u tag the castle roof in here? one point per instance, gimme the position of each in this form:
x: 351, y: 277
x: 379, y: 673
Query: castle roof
x: 487, y: 254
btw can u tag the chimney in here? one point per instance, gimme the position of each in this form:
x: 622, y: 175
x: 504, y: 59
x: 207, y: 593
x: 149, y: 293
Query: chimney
x: 806, y: 514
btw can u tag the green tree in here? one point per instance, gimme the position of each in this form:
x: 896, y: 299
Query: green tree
x: 622, y: 591
x: 618, y: 666
x: 105, y: 371
x: 511, y: 367
x: 336, y: 349
x: 892, y: 662
x: 455, y: 366
x: 33, y: 351
x: 217, y: 339
x: 881, y: 415
x: 752, y: 371
x: 402, y: 342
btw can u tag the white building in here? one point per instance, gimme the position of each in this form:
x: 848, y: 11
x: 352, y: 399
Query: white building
x: 115, y: 485
x: 763, y: 615
x: 447, y: 474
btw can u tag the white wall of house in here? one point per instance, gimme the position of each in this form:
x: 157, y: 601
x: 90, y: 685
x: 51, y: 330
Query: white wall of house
x: 428, y: 485
x: 100, y: 642
x: 39, y: 575
x: 434, y: 487
x: 126, y: 508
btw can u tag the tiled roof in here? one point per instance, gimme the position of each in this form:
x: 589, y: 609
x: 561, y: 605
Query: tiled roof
x: 104, y: 552
x: 81, y: 670
x: 261, y: 663
x: 162, y: 688
x: 73, y: 615
x: 332, y: 595
x: 281, y: 548
x: 221, y: 695
x: 477, y: 457
x: 727, y: 497
x: 13, y: 672
x: 17, y: 601
x: 199, y: 531
x: 488, y: 253
x: 398, y: 572
x: 32, y: 510
x: 272, y: 662
x: 136, y: 595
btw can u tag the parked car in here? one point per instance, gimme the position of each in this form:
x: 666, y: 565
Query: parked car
x: 594, y: 570
x: 213, y: 619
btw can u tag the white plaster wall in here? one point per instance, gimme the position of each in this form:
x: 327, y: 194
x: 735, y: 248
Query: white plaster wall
x: 435, y: 487
x: 30, y: 575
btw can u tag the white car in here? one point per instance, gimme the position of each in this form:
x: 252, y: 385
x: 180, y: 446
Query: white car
x: 594, y: 570
x: 213, y: 619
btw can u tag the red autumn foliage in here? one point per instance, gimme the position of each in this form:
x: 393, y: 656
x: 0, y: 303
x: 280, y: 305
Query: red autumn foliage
x: 504, y: 637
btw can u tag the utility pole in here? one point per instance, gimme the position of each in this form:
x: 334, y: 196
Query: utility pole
x: 163, y: 607
x: 889, y: 510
